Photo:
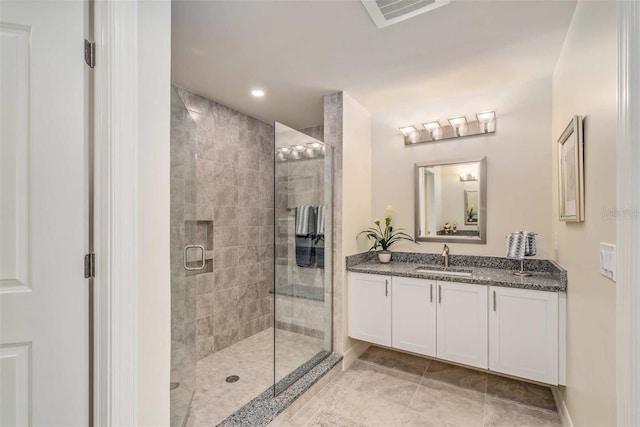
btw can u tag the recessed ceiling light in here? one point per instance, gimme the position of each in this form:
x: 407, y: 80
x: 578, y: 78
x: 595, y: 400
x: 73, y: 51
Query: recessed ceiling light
x: 257, y: 93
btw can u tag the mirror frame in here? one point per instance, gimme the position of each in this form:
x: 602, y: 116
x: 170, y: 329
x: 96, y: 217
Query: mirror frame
x: 482, y: 201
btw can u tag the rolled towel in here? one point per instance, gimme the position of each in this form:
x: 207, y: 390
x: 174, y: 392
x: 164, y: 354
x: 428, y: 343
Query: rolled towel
x: 530, y: 243
x: 515, y: 246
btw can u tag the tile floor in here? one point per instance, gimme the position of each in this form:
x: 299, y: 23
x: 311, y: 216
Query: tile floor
x: 252, y: 360
x: 388, y: 388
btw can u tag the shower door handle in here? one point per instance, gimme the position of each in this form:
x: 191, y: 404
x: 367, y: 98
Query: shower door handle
x: 203, y: 261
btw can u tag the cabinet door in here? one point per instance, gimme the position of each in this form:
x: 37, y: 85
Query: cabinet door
x: 523, y: 333
x: 413, y: 314
x: 462, y: 323
x: 370, y: 308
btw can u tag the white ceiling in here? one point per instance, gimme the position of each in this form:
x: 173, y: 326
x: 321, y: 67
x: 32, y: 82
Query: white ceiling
x: 299, y: 51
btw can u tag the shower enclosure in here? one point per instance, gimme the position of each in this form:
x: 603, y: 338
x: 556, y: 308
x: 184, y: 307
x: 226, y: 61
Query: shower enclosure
x: 303, y: 262
x: 251, y: 221
x: 183, y: 286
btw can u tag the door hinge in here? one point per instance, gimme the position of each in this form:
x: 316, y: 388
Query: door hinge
x: 89, y: 266
x: 90, y: 53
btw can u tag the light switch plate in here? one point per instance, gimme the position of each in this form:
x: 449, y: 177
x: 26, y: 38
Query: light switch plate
x: 608, y: 260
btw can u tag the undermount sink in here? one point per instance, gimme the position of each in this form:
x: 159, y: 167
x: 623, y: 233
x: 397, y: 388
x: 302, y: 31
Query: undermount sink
x: 449, y: 271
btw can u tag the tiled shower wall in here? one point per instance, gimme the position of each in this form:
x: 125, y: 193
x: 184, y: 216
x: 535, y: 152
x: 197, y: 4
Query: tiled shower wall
x: 233, y: 190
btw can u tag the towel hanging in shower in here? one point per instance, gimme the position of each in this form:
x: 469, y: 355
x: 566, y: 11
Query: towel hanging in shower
x: 319, y: 240
x: 305, y: 223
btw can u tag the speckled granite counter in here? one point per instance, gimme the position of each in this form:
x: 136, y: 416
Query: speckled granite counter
x: 545, y: 275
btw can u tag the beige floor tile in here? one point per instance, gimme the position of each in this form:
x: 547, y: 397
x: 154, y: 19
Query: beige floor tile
x: 326, y: 418
x: 457, y: 376
x: 446, y: 404
x: 521, y: 392
x: 365, y: 409
x: 503, y: 413
x: 401, y: 362
x: 381, y: 382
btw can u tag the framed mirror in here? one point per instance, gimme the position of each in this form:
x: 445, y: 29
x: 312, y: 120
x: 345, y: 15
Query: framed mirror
x: 451, y: 201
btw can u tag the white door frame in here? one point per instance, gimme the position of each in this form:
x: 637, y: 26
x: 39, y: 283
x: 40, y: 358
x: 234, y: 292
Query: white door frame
x: 115, y: 217
x: 628, y: 218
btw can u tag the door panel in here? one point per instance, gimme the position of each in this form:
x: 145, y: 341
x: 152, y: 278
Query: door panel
x: 524, y: 333
x: 370, y: 308
x: 44, y: 331
x: 414, y: 315
x: 462, y: 323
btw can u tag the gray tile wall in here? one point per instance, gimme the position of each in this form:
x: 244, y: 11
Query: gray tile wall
x: 233, y: 188
x: 333, y: 136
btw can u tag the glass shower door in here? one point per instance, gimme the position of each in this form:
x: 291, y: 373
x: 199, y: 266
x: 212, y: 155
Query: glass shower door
x: 183, y: 262
x: 303, y: 263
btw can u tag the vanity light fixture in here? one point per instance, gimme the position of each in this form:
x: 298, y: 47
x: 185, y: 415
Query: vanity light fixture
x: 457, y: 123
x: 307, y: 150
x: 464, y: 177
x: 432, y: 127
x: 458, y: 127
x: 258, y: 93
x: 408, y: 130
x: 486, y: 118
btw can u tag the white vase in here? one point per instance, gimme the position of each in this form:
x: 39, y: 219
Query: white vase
x: 384, y: 256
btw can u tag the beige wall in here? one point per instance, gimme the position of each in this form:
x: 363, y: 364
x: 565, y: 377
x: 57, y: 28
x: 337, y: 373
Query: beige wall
x: 518, y: 162
x: 584, y: 83
x: 154, y: 328
x: 356, y: 190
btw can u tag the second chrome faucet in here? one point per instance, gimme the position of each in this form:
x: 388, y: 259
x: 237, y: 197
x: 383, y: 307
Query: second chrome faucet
x: 445, y: 256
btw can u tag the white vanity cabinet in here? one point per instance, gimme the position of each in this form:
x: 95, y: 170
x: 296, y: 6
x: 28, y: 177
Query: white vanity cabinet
x: 514, y: 331
x: 523, y: 333
x: 413, y: 315
x: 462, y: 323
x: 370, y: 308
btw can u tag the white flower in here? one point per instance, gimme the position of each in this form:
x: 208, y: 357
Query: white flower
x: 389, y: 212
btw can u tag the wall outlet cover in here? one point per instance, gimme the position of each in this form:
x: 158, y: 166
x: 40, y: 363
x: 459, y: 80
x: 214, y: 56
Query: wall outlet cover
x: 608, y: 260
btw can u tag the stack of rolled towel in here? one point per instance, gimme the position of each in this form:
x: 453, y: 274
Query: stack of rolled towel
x: 521, y: 244
x: 310, y: 223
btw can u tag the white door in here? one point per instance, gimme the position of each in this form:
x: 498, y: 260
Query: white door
x: 523, y: 333
x: 370, y: 308
x: 413, y: 314
x: 462, y: 323
x: 44, y: 332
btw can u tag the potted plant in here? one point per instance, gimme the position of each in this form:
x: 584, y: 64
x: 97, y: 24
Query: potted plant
x: 385, y: 238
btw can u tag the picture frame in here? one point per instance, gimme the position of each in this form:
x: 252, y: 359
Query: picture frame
x: 471, y: 207
x: 571, y: 172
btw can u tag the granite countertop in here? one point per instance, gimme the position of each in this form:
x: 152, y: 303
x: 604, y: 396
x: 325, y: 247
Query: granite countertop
x: 539, y: 280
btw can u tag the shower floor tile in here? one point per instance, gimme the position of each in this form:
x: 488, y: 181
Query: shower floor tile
x: 252, y: 360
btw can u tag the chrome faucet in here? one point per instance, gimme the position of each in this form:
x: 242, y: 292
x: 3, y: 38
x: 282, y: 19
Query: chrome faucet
x: 445, y: 256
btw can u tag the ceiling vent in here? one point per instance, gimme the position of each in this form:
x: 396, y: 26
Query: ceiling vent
x: 388, y: 12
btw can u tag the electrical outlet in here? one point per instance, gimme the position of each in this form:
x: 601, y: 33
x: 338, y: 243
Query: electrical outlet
x: 608, y: 260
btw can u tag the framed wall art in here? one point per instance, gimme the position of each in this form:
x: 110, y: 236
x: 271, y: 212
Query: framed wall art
x: 571, y: 172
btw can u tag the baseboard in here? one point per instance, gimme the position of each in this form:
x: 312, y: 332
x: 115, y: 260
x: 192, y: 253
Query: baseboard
x: 563, y: 411
x: 353, y: 353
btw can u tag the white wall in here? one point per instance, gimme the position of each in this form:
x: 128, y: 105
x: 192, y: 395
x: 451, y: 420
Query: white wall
x: 154, y: 322
x: 518, y: 162
x: 356, y: 190
x: 584, y: 83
